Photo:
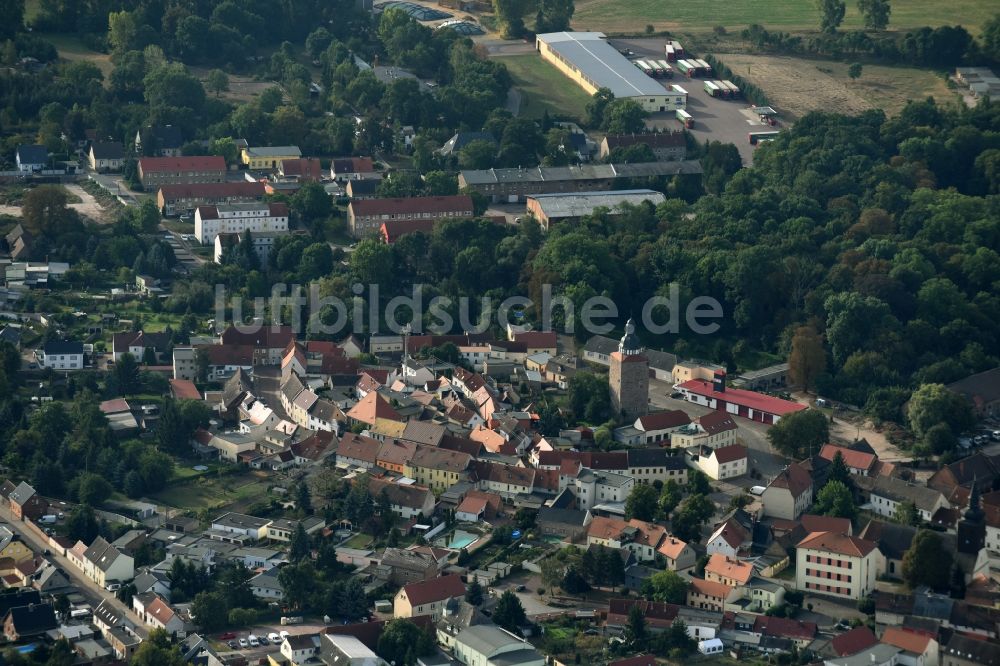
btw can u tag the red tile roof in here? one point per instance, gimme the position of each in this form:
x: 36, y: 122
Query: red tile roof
x: 192, y: 163
x: 537, y: 339
x: 373, y: 406
x: 239, y: 355
x: 304, y: 167
x: 184, y: 389
x: 265, y: 337
x: 796, y: 479
x: 853, y: 641
x: 353, y: 165
x: 244, y: 190
x: 784, y: 628
x: 710, y: 588
x: 750, y: 399
x: 813, y: 523
x: 727, y: 567
x: 435, y: 589
x: 658, y: 614
x: 833, y: 542
x: 409, y: 206
x: 908, y: 641
x: 716, y: 422
x: 855, y: 459
x: 728, y: 454
x: 671, y: 418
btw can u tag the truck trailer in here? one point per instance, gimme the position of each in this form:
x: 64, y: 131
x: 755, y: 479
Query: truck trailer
x: 674, y: 49
x: 685, y: 118
x: 685, y: 68
x: 704, y: 67
x: 668, y: 71
x: 712, y: 89
x: 734, y: 90
x: 644, y: 66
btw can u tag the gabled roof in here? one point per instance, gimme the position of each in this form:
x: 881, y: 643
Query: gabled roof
x: 63, y: 347
x: 22, y: 493
x: 715, y: 422
x: 240, y: 190
x: 373, y: 406
x: 672, y: 547
x: 33, y: 619
x: 112, y: 150
x: 853, y: 641
x: 632, y: 531
x: 432, y: 457
x: 358, y: 447
x: 841, y: 544
x: 756, y: 401
x: 854, y: 459
x: 411, y: 497
x: 671, y: 418
x: 313, y: 447
x: 435, y: 589
x: 814, y: 523
x: 710, y: 588
x: 651, y: 139
x: 731, y: 453
x: 165, y: 136
x: 412, y: 206
x: 793, y: 478
x: 732, y: 533
x: 783, y: 627
x: 907, y: 641
x: 33, y: 154
x: 727, y: 567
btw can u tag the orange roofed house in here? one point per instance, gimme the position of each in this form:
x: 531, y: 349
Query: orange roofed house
x: 366, y: 216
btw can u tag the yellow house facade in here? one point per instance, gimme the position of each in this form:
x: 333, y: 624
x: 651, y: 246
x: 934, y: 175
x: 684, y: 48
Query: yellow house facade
x: 268, y: 157
x: 436, y: 468
x: 17, y: 551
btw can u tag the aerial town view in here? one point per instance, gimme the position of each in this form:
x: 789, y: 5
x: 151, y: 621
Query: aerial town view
x: 499, y: 333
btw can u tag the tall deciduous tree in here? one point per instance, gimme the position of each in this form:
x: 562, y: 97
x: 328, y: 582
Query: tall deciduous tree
x: 808, y: 359
x: 927, y: 562
x: 800, y: 434
x: 876, y: 13
x: 836, y: 499
x: 509, y: 613
x: 641, y: 503
x: 932, y: 404
x: 666, y: 586
x: 831, y: 14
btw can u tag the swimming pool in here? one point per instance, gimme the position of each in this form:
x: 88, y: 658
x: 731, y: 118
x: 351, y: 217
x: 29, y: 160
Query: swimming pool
x: 460, y: 540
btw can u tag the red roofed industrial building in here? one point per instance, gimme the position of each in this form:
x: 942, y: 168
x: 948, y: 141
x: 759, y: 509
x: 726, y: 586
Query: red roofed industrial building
x: 367, y: 216
x: 748, y: 404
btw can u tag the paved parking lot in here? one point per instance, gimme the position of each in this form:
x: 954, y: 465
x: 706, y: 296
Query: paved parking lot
x: 714, y: 119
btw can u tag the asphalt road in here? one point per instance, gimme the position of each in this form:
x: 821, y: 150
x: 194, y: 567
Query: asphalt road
x: 91, y: 591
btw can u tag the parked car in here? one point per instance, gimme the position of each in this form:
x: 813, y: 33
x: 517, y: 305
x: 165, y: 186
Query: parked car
x: 253, y: 641
x: 263, y: 641
x: 274, y: 637
x: 233, y: 645
x: 113, y: 587
x: 284, y: 634
x: 244, y: 643
x: 228, y: 636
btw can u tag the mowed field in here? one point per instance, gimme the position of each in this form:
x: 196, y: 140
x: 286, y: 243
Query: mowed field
x: 632, y: 16
x: 544, y: 87
x: 796, y: 86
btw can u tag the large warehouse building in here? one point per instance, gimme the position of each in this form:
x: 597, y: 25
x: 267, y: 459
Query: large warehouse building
x: 592, y: 63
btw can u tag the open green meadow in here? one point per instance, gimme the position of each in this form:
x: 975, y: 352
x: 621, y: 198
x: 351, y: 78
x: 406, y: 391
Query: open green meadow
x: 544, y: 87
x: 632, y: 16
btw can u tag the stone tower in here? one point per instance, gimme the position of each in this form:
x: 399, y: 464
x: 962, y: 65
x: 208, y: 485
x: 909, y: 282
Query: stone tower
x: 972, y: 527
x: 629, y: 377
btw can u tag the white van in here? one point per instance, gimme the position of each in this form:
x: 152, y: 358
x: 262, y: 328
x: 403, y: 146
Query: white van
x: 253, y: 641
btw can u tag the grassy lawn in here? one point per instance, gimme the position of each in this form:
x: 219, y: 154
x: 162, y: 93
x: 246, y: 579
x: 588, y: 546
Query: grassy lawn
x: 360, y: 540
x: 214, y: 493
x: 179, y: 227
x: 633, y: 15
x: 544, y: 87
x: 71, y: 48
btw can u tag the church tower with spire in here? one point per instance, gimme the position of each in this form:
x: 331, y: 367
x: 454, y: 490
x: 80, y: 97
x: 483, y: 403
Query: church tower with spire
x: 972, y: 526
x: 629, y: 376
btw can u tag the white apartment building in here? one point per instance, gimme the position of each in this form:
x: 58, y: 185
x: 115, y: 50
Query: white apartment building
x: 60, y: 355
x: 210, y: 221
x: 837, y: 565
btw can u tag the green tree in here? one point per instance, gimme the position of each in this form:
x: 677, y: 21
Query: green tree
x: 839, y: 472
x: 126, y: 375
x: 800, y: 434
x: 589, y: 397
x: 854, y: 71
x: 641, y: 503
x: 217, y: 81
x: 509, y: 613
x: 808, y: 359
x: 876, y: 13
x: 202, y: 363
x: 831, y: 14
x: 932, y: 404
x: 926, y: 560
x: 836, y: 499
x: 635, y: 628
x: 299, y: 549
x: 666, y: 586
x: 670, y: 497
x: 698, y: 483
x: 210, y: 611
x: 478, y: 154
x: 157, y: 651
x: 403, y: 642
x: 93, y: 489
x: 474, y: 592
x: 624, y: 116
x: 13, y: 18
x: 907, y: 514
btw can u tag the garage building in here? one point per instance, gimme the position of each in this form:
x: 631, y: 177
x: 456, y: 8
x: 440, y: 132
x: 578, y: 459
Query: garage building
x: 592, y: 63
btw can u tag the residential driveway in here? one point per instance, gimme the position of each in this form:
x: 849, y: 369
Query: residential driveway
x: 267, y: 382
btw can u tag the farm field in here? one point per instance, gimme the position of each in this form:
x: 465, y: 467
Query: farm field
x: 633, y: 16
x: 544, y: 87
x: 797, y: 86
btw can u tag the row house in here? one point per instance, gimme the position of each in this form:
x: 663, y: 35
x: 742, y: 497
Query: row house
x: 637, y: 536
x: 366, y: 216
x: 155, y: 172
x: 263, y: 218
x: 406, y: 501
x: 182, y: 198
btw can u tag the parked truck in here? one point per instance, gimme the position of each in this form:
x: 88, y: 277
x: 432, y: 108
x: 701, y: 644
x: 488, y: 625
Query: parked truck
x: 734, y: 90
x: 759, y: 136
x: 674, y: 50
x: 685, y: 68
x: 644, y: 66
x: 712, y: 89
x: 703, y: 67
x: 685, y: 118
x: 668, y: 71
